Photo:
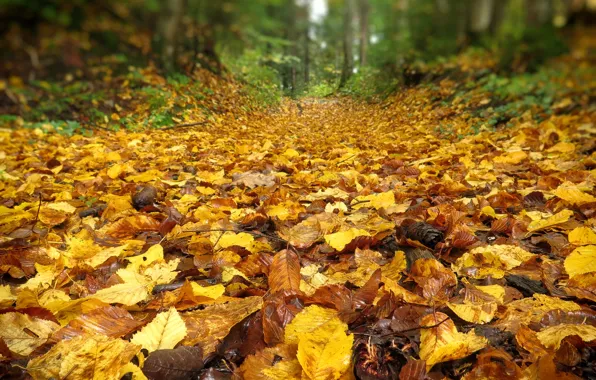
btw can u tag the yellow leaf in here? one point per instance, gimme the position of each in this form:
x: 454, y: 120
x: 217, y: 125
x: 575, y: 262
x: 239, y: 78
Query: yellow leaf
x: 573, y: 195
x: 272, y: 363
x: 153, y: 254
x: 496, y: 291
x: 492, y: 260
x: 165, y: 331
x: 309, y: 319
x: 126, y: 294
x: 553, y: 335
x: 339, y: 240
x: 62, y: 206
x: 581, y: 260
x: 325, y: 352
x: 376, y: 201
x: 136, y: 372
x: 582, y: 236
x: 230, y: 239
x: 148, y: 176
x: 443, y: 342
x: 210, y: 325
x: 23, y: 333
x: 212, y: 292
x: 115, y: 170
x: 558, y: 218
x: 512, y: 158
x: 7, y: 298
x: 95, y: 357
x: 475, y: 313
x: 113, y: 156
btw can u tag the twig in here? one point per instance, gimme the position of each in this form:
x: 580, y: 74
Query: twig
x: 346, y: 159
x: 259, y: 234
x: 184, y: 125
x: 405, y: 331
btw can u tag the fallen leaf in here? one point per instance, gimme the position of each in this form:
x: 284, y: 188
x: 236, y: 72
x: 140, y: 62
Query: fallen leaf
x: 165, y: 331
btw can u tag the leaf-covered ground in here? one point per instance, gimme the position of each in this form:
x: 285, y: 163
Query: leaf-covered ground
x: 445, y: 232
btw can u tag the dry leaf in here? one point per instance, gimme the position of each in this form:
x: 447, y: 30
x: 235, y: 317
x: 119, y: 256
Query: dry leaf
x: 165, y: 331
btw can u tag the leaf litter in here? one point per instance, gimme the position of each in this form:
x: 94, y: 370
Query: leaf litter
x: 346, y: 240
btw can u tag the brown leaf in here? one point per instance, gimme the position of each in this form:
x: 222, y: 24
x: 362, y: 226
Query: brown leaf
x: 284, y: 272
x: 176, y: 364
x: 111, y: 321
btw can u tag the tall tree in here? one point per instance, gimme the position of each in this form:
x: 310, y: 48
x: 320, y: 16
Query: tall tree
x: 348, y: 43
x: 168, y: 27
x: 364, y: 15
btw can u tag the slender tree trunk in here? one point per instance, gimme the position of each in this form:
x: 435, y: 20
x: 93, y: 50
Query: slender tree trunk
x: 348, y: 64
x: 480, y: 16
x: 292, y: 38
x: 168, y: 27
x: 538, y: 12
x: 498, y: 15
x: 306, y: 56
x: 364, y: 15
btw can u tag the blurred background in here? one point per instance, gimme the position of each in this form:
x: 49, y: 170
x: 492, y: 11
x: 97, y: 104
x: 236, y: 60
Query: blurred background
x: 291, y: 47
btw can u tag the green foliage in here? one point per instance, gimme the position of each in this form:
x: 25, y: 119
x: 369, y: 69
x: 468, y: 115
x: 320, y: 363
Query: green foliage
x: 529, y: 49
x: 261, y: 80
x: 369, y: 82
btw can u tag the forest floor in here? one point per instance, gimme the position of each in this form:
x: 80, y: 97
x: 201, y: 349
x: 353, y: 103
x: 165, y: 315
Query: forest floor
x: 447, y: 230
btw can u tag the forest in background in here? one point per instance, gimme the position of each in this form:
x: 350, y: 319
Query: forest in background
x: 285, y: 47
x: 290, y: 190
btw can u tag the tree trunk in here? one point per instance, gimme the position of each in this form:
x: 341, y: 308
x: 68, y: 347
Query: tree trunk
x: 498, y: 15
x: 291, y: 32
x: 364, y: 15
x: 538, y: 12
x: 306, y: 54
x: 168, y: 27
x: 480, y: 16
x: 348, y: 64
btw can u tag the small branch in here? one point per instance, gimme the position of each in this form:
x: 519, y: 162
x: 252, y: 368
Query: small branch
x: 404, y: 331
x: 346, y: 159
x: 258, y: 234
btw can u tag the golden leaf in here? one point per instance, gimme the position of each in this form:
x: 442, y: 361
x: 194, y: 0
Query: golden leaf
x: 376, y: 201
x: 553, y: 335
x: 582, y: 286
x: 212, y: 292
x: 84, y: 357
x: 339, y: 240
x: 496, y: 291
x: 581, y: 260
x: 153, y: 254
x: 126, y: 294
x: 440, y: 341
x: 325, y: 352
x: 558, y: 218
x: 573, y: 195
x: 475, y: 313
x: 165, y: 331
x: 208, y: 326
x: 23, y: 333
x: 265, y: 364
x: 7, y: 298
x: 492, y: 260
x: 308, y: 320
x: 582, y: 236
